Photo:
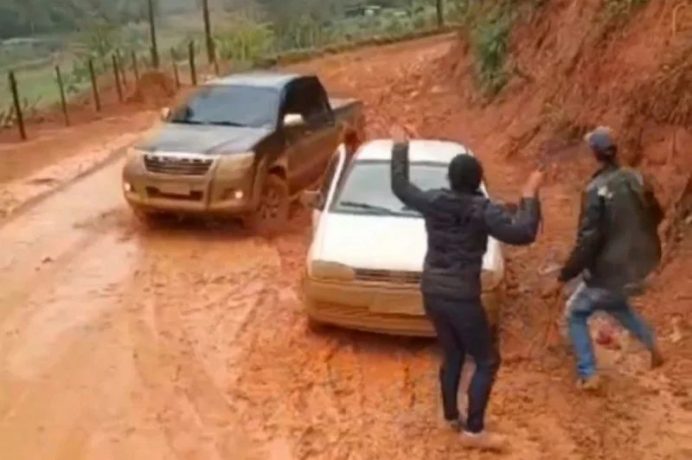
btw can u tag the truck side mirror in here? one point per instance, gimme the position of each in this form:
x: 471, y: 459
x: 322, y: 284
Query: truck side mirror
x: 293, y: 119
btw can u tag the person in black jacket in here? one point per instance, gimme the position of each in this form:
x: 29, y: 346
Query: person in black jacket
x: 458, y: 222
x: 617, y: 247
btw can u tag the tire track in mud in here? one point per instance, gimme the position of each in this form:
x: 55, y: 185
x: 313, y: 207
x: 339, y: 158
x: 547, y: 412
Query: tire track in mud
x: 356, y: 395
x: 213, y: 354
x: 50, y: 363
x: 343, y: 395
x: 575, y: 427
x: 195, y: 403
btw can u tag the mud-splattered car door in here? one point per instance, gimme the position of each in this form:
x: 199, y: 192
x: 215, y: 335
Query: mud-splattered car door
x: 329, y: 185
x: 315, y: 138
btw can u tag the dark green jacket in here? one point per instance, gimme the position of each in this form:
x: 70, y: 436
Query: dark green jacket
x: 617, y: 243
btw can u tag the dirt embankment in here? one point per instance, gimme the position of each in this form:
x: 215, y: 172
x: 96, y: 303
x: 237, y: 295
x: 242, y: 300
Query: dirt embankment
x: 580, y: 64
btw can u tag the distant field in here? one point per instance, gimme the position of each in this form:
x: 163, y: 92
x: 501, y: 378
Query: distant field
x: 34, y: 62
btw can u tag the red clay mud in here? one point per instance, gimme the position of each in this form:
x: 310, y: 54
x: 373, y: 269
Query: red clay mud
x: 189, y: 341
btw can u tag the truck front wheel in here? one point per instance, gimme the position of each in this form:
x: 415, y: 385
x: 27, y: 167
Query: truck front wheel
x: 149, y: 219
x: 271, y: 214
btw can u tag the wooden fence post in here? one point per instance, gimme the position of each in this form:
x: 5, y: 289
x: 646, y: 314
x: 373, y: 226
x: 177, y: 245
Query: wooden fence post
x: 193, y: 69
x: 211, y: 51
x: 440, y: 13
x: 94, y: 85
x: 63, y: 100
x: 17, y: 105
x: 176, y: 73
x: 116, y: 74
x: 121, y: 65
x: 135, y: 67
x: 152, y: 30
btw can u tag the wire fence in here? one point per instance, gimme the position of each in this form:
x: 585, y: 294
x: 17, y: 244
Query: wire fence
x: 111, y: 73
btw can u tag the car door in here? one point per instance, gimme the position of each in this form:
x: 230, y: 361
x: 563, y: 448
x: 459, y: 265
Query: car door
x: 296, y: 134
x: 312, y: 141
x: 325, y: 132
x: 329, y: 185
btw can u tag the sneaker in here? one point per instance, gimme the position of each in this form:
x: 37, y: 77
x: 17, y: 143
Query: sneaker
x: 590, y: 384
x: 484, y: 441
x: 656, y: 358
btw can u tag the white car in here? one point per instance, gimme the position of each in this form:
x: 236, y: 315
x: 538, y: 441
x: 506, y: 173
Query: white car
x: 365, y: 262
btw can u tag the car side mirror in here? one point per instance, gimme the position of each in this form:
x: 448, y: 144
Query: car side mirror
x: 165, y: 113
x: 312, y: 199
x: 293, y: 119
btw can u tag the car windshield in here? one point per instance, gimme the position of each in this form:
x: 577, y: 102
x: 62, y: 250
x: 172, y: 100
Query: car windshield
x: 367, y: 188
x: 230, y: 105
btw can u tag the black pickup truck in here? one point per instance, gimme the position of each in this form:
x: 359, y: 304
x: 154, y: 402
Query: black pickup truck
x: 245, y: 145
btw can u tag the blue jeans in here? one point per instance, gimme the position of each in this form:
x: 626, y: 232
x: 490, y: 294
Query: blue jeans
x: 586, y: 301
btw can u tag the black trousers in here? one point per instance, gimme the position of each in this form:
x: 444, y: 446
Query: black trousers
x: 462, y: 328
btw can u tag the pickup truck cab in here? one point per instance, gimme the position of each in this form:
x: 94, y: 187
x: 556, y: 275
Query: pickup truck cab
x: 242, y: 146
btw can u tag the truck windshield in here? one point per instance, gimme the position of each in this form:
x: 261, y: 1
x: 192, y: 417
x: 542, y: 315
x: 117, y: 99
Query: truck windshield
x: 230, y: 105
x: 367, y: 188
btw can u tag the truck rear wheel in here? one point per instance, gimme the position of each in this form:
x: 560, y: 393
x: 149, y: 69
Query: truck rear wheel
x: 271, y: 214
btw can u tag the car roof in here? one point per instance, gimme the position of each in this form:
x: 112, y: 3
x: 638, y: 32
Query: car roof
x: 260, y: 79
x: 420, y: 150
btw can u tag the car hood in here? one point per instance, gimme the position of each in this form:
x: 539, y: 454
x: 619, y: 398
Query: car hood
x: 381, y: 243
x: 177, y: 137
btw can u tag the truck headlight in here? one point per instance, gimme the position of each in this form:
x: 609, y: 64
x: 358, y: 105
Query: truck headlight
x: 321, y: 269
x: 235, y: 162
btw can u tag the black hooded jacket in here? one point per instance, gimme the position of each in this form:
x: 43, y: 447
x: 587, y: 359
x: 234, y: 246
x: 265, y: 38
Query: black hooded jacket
x: 458, y: 226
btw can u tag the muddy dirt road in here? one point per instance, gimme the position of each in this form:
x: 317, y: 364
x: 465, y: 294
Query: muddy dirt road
x: 188, y: 342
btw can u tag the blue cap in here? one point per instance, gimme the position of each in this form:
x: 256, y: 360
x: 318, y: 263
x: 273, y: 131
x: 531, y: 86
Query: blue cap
x: 600, y: 139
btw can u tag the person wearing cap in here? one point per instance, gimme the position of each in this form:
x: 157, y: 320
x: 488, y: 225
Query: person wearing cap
x: 617, y: 247
x: 458, y: 222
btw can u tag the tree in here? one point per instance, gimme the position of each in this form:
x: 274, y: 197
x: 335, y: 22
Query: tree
x: 440, y: 13
x: 152, y: 4
x: 27, y: 17
x: 211, y: 55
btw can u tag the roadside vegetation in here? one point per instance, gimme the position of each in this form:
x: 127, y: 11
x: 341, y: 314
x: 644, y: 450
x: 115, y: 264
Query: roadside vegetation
x: 37, y: 35
x: 619, y: 10
x: 490, y: 37
x: 487, y: 28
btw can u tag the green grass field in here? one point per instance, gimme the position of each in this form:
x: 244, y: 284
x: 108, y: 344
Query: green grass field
x: 238, y: 39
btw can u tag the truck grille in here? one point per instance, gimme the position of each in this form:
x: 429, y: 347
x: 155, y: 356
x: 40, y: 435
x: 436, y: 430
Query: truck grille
x: 388, y: 276
x: 177, y: 165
